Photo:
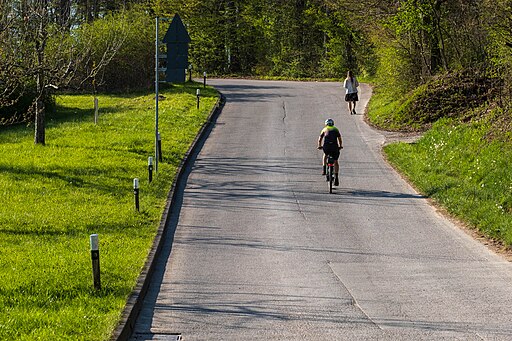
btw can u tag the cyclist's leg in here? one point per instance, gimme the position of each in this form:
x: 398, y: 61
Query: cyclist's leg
x: 336, y: 172
x: 336, y: 155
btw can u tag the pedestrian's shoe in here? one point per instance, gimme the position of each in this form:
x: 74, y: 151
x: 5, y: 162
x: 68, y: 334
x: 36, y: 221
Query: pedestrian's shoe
x: 336, y: 181
x: 323, y: 170
x: 354, y: 111
x: 327, y: 178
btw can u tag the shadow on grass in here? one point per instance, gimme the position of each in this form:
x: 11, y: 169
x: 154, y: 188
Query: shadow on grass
x: 38, y: 233
x: 72, y: 114
x: 74, y: 177
x: 122, y: 227
x: 119, y: 148
x: 54, y: 296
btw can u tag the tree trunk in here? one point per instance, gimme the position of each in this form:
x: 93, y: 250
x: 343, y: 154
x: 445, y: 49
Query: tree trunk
x: 41, y: 40
x: 63, y: 13
x: 39, y: 134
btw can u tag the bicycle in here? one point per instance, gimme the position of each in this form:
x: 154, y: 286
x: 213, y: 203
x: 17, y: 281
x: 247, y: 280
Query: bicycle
x: 330, y: 171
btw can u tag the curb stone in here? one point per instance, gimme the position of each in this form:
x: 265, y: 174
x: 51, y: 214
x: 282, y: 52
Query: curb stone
x: 126, y: 326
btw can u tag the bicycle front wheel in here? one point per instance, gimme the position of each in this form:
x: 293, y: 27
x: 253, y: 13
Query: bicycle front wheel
x: 331, y: 177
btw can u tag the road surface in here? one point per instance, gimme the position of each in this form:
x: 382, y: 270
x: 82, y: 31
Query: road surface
x: 262, y: 251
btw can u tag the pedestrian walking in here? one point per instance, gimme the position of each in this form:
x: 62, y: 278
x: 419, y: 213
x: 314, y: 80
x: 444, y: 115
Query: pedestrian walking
x: 350, y: 84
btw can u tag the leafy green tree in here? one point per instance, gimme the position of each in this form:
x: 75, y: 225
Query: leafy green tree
x: 119, y: 52
x: 300, y: 38
x: 417, y: 39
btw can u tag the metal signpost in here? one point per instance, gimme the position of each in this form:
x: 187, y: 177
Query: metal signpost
x: 158, y: 69
x: 156, y: 91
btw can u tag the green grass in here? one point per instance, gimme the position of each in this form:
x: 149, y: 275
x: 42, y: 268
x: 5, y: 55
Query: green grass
x: 464, y: 159
x: 393, y: 112
x: 383, y: 111
x: 53, y: 197
x: 461, y: 95
x: 462, y: 169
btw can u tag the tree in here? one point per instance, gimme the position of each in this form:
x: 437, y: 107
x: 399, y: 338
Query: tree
x: 8, y: 84
x: 44, y: 51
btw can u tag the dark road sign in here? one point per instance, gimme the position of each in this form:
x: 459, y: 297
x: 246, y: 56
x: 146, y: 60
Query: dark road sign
x: 177, y: 39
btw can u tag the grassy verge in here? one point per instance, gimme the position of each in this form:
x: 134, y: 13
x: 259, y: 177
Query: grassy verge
x: 53, y: 197
x: 464, y: 159
x: 456, y: 95
x: 465, y: 171
x: 383, y: 111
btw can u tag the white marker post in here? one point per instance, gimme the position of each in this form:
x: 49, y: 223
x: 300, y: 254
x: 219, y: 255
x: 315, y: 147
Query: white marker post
x: 198, y: 94
x: 150, y: 168
x: 136, y: 193
x: 95, y: 256
x: 96, y: 108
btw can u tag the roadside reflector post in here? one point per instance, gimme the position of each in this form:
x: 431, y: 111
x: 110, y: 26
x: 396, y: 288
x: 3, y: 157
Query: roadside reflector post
x: 198, y: 94
x: 136, y: 193
x: 159, y: 142
x: 95, y: 257
x: 190, y: 72
x: 96, y: 108
x: 204, y: 79
x: 150, y: 168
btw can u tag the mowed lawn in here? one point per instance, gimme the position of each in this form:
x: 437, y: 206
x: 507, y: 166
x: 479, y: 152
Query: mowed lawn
x: 53, y: 197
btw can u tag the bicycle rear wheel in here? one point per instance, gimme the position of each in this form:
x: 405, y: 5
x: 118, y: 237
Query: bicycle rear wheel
x: 331, y: 177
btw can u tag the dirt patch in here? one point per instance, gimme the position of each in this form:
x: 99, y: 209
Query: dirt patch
x: 393, y: 137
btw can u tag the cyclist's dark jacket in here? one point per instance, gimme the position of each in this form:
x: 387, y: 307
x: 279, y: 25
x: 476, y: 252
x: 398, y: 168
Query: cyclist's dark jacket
x: 330, y: 135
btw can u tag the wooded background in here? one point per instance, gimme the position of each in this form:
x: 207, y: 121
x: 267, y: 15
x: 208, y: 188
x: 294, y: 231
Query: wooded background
x: 48, y: 46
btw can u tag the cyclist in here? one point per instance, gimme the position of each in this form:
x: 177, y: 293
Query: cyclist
x: 332, y: 143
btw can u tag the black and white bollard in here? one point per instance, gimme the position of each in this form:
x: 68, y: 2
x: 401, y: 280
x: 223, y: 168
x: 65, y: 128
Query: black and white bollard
x: 150, y: 168
x: 198, y: 94
x: 95, y: 256
x: 204, y: 79
x: 190, y: 72
x: 159, y: 141
x: 136, y: 193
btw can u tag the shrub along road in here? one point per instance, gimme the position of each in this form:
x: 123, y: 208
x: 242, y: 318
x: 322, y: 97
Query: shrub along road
x: 262, y: 250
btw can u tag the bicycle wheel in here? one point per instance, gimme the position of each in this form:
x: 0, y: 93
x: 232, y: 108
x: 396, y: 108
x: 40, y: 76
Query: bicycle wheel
x: 331, y: 177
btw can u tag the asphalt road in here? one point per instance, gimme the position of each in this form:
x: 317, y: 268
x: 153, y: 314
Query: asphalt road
x: 262, y: 251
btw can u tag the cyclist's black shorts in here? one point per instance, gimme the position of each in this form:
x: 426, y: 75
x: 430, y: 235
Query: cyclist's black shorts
x: 331, y: 149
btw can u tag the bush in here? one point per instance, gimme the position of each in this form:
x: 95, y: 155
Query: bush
x: 134, y: 64
x: 455, y: 95
x: 127, y: 39
x: 20, y: 108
